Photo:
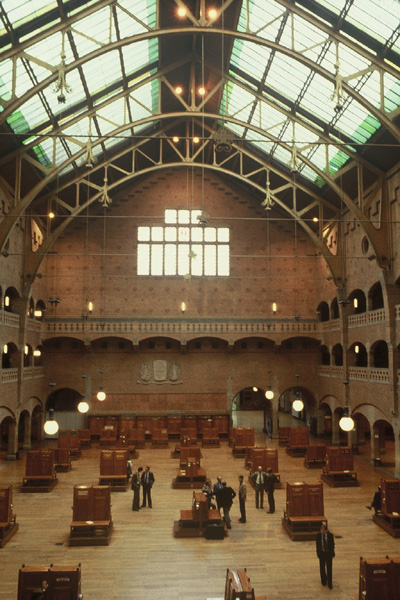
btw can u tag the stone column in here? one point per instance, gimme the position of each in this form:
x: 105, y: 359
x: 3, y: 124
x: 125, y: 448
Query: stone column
x: 320, y: 422
x: 12, y: 446
x: 27, y: 432
x: 335, y: 429
x: 396, y: 430
x: 375, y: 453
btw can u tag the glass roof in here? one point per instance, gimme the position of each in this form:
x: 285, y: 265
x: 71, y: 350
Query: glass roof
x: 296, y: 86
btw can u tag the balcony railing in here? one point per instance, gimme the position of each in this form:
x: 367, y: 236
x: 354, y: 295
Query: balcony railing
x: 9, y: 318
x: 356, y: 373
x: 367, y: 318
x: 182, y: 327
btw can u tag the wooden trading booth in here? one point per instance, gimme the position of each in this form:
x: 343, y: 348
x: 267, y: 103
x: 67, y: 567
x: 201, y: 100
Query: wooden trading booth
x: 58, y: 582
x: 238, y: 586
x: 379, y: 579
x: 243, y: 438
x: 265, y: 458
x: 62, y: 460
x: 69, y: 438
x: 8, y: 524
x: 338, y: 470
x: 389, y: 516
x: 200, y: 520
x: 315, y: 456
x: 304, y: 512
x: 298, y: 441
x: 113, y: 469
x: 91, y: 516
x: 40, y: 475
x: 189, y: 474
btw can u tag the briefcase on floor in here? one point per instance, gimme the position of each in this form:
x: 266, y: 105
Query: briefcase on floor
x: 215, y: 531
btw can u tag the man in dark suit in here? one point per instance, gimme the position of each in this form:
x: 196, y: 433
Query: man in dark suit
x: 242, y: 499
x: 269, y: 486
x: 258, y: 478
x: 325, y: 553
x: 147, y: 483
x: 135, y: 486
x: 225, y: 498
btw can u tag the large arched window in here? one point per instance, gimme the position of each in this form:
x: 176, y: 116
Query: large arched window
x: 375, y: 297
x: 380, y: 355
x: 358, y: 355
x: 323, y: 311
x: 325, y: 355
x: 334, y: 309
x: 358, y: 302
x: 337, y: 354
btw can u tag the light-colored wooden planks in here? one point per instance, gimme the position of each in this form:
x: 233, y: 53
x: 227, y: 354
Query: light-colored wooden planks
x: 145, y: 561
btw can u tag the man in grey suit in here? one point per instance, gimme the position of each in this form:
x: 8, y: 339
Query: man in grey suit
x: 258, y: 478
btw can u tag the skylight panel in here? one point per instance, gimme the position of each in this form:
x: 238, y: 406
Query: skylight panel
x: 23, y: 11
x: 94, y: 30
x: 103, y: 71
x: 240, y: 103
x: 293, y: 73
x: 306, y: 35
x: 33, y: 114
x: 132, y: 22
x: 50, y: 48
x: 138, y: 55
x: 378, y: 18
x: 257, y: 17
x: 318, y: 98
x: 392, y: 92
x: 250, y: 58
x: 266, y: 117
x: 283, y: 155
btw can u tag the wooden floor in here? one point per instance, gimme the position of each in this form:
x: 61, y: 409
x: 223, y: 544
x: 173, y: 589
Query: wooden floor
x: 144, y: 561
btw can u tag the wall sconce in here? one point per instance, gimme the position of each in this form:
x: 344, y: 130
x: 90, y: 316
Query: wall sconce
x: 255, y: 389
x: 355, y: 302
x: 26, y: 350
x: 5, y: 349
x: 6, y: 300
x: 37, y: 313
x: 54, y: 301
x: 51, y: 426
x: 37, y: 353
x: 274, y: 307
x: 183, y: 307
x: 356, y: 348
x: 90, y: 307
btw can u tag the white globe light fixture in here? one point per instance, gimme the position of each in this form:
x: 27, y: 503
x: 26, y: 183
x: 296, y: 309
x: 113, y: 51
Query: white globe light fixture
x: 298, y: 404
x: 101, y: 395
x: 83, y: 406
x: 269, y: 394
x: 51, y: 426
x: 346, y: 423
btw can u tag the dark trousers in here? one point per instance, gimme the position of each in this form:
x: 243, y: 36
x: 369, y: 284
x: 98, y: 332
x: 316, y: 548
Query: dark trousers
x: 147, y: 495
x: 259, y: 495
x: 242, y: 506
x: 271, y: 501
x: 325, y: 568
x: 136, y: 498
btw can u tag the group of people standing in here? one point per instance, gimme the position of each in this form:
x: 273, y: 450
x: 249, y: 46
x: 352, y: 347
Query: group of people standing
x: 225, y: 494
x: 144, y: 479
x: 264, y: 482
